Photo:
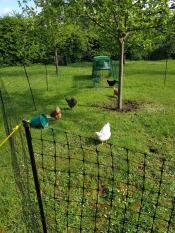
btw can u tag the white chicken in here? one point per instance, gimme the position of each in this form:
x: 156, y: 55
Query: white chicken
x: 105, y: 133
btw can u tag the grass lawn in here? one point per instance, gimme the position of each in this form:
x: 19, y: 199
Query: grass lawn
x: 146, y: 123
x: 152, y: 124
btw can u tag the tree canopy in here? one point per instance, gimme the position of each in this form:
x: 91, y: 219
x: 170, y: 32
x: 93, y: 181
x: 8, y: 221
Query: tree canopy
x: 122, y: 18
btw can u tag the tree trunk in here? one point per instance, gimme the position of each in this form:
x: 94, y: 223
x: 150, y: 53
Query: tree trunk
x: 56, y: 61
x: 120, y: 87
x: 124, y: 58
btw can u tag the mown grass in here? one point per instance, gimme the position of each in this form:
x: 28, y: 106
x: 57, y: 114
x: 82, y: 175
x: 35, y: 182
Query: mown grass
x: 150, y: 125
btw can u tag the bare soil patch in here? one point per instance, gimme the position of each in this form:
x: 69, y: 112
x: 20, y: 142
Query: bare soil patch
x: 128, y: 106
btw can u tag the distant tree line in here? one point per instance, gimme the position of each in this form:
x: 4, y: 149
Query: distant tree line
x: 29, y: 40
x: 23, y: 40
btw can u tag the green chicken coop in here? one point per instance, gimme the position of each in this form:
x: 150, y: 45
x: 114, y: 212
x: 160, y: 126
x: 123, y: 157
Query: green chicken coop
x: 101, y: 63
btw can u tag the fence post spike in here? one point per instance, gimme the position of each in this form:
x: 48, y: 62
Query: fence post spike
x: 35, y: 174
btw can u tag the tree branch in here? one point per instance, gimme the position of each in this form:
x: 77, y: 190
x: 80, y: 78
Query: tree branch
x: 144, y: 28
x: 94, y: 20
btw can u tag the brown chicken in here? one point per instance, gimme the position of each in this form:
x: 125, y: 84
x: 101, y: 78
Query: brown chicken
x: 115, y: 91
x: 56, y: 113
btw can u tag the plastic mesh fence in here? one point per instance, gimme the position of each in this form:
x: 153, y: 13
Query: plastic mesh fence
x: 89, y: 188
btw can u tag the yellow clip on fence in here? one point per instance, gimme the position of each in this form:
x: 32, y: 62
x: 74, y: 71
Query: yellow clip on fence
x: 14, y: 130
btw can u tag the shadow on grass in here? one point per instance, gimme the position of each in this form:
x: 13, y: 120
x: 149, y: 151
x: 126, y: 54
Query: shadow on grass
x: 82, y: 81
x: 23, y: 103
x: 80, y: 64
x: 20, y: 165
x: 92, y: 141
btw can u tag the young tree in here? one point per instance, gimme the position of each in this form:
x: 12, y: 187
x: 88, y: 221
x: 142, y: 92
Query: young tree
x: 121, y: 18
x: 65, y: 37
x: 50, y: 17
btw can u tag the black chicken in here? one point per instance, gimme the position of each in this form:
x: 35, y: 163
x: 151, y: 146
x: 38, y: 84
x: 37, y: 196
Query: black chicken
x: 71, y: 101
x: 111, y: 83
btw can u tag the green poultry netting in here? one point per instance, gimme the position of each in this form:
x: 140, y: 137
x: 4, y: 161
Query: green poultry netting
x: 103, y: 66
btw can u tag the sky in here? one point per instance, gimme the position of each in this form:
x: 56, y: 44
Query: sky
x: 8, y: 6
